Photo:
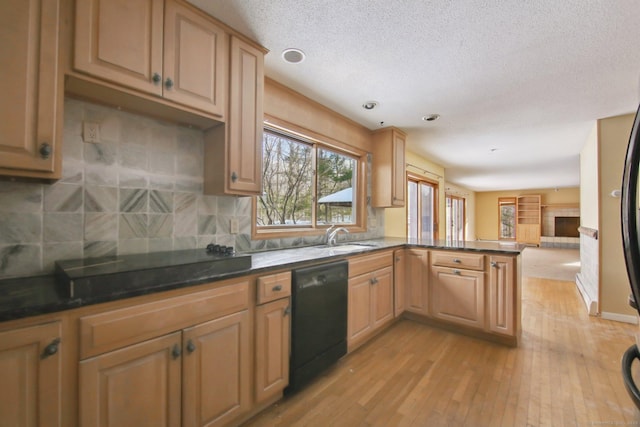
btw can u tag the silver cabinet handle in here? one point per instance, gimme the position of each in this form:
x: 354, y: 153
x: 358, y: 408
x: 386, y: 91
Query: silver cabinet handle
x: 156, y: 78
x: 494, y: 264
x: 287, y: 311
x: 458, y: 272
x: 168, y: 83
x: 457, y: 261
x: 277, y: 288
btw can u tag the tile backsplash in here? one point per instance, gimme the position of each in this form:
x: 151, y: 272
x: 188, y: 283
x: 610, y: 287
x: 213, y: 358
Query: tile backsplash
x: 138, y: 190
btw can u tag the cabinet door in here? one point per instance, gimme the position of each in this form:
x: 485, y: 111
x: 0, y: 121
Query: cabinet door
x: 121, y: 41
x: 30, y: 393
x: 272, y: 348
x: 216, y: 369
x: 501, y: 291
x: 138, y: 385
x: 195, y: 59
x: 381, y: 297
x: 398, y: 182
x: 417, y: 281
x: 388, y: 168
x: 457, y: 296
x: 399, y: 281
x: 359, y: 311
x: 246, y: 119
x: 30, y: 88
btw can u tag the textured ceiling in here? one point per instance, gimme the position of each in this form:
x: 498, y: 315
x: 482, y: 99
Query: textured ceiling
x: 527, y: 80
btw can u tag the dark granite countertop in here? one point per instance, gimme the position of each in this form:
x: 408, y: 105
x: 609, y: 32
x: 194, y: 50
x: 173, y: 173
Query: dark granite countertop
x: 30, y: 296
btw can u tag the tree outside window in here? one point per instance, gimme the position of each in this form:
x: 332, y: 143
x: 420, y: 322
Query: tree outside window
x: 305, y: 184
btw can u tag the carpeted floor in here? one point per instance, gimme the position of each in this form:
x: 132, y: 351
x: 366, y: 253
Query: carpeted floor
x: 551, y: 263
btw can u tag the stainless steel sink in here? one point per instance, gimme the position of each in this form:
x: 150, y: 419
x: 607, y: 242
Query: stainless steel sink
x: 347, y: 247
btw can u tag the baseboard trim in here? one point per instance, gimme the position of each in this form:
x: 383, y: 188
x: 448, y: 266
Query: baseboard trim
x: 626, y: 318
x: 592, y: 305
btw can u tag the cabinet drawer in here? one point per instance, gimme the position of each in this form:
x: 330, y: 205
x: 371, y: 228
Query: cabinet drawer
x: 107, y: 331
x: 458, y: 260
x: 273, y: 287
x: 368, y: 263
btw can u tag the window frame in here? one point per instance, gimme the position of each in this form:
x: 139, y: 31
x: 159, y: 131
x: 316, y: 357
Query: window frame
x: 453, y: 198
x: 435, y: 185
x: 507, y: 201
x: 316, y: 140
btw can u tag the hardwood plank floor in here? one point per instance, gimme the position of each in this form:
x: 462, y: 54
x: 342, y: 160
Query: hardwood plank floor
x: 566, y: 372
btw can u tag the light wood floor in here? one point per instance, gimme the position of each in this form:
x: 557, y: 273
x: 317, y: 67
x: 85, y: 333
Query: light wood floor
x: 565, y: 373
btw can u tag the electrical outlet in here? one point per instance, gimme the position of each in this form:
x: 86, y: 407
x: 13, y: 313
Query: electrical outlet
x: 233, y: 226
x: 91, y: 132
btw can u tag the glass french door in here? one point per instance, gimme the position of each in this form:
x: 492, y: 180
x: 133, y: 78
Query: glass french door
x: 455, y: 218
x: 422, y: 209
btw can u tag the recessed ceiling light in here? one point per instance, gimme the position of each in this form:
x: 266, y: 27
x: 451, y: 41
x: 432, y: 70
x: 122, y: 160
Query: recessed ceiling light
x: 370, y: 105
x: 293, y: 55
x: 431, y: 117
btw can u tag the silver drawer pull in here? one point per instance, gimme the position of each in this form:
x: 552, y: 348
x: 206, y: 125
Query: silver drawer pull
x: 494, y: 264
x: 458, y: 272
x: 277, y: 288
x: 457, y: 260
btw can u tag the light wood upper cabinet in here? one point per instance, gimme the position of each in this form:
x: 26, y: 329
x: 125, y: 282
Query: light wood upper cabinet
x: 31, y: 87
x: 160, y: 47
x: 233, y: 153
x: 388, y: 168
x: 195, y: 60
x: 30, y: 368
x: 121, y: 41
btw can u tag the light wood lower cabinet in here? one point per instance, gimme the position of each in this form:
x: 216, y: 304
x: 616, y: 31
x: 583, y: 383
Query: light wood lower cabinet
x: 273, y: 337
x: 138, y: 385
x: 197, y: 377
x: 30, y: 368
x: 371, y: 302
x: 417, y: 281
x: 216, y: 371
x: 196, y: 373
x: 502, y: 306
x: 457, y: 296
x: 399, y: 281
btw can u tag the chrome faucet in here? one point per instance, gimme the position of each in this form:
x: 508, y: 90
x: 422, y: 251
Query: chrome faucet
x: 331, y: 241
x: 328, y: 232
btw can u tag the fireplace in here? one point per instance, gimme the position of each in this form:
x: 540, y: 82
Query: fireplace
x: 566, y: 226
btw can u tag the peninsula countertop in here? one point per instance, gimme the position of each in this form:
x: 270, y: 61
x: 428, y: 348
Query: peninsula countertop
x: 30, y: 296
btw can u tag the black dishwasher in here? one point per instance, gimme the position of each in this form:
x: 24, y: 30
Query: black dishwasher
x: 318, y: 320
